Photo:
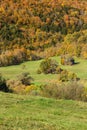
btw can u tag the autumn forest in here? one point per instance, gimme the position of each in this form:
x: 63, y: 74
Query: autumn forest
x: 43, y: 64
x: 34, y: 29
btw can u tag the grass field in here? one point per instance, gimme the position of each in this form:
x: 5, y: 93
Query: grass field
x: 12, y: 71
x: 24, y: 112
x: 18, y: 112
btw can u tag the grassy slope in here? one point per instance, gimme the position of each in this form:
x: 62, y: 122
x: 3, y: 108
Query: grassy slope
x: 31, y: 66
x: 19, y: 112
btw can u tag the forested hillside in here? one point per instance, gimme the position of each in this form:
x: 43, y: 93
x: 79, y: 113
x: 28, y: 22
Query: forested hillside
x: 43, y: 64
x: 33, y: 29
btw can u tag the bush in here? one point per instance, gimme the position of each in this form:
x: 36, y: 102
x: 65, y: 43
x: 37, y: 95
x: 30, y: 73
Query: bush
x: 72, y: 90
x: 25, y: 78
x: 22, y: 84
x: 63, y: 76
x: 34, y: 57
x: 29, y: 89
x: 84, y: 52
x: 84, y: 95
x: 3, y: 86
x: 39, y: 71
x: 13, y: 57
x: 15, y: 86
x: 67, y: 60
x: 67, y: 76
x: 58, y: 70
x: 48, y: 66
x: 72, y: 76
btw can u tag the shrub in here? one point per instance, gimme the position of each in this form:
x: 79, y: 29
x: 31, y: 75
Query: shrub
x: 25, y: 78
x: 21, y: 84
x: 48, y: 66
x: 78, y: 50
x: 72, y: 90
x: 84, y: 95
x: 13, y: 57
x: 84, y: 52
x: 72, y: 76
x: 58, y: 70
x: 67, y: 76
x: 29, y: 89
x: 39, y: 71
x: 67, y: 60
x: 34, y: 57
x: 15, y: 85
x: 3, y: 86
x: 63, y: 76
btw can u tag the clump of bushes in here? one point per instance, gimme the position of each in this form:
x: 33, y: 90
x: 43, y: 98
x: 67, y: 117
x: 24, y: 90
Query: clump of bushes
x: 23, y: 84
x: 34, y: 57
x: 3, y: 85
x: 72, y: 90
x: 67, y: 60
x: 59, y: 70
x: 25, y: 78
x: 13, y: 57
x: 31, y: 89
x: 51, y: 66
x: 16, y: 56
x: 48, y: 66
x: 84, y: 52
x: 67, y: 76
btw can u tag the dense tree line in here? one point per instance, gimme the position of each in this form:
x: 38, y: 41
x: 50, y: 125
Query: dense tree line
x: 40, y: 24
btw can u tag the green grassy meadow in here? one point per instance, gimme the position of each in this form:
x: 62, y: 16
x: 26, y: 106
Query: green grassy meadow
x: 11, y: 72
x: 25, y: 112
x: 18, y: 112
